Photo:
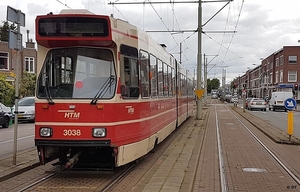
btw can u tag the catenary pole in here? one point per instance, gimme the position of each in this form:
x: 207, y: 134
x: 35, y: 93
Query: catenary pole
x: 199, y: 61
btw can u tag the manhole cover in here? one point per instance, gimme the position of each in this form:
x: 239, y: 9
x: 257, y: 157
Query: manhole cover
x: 254, y: 170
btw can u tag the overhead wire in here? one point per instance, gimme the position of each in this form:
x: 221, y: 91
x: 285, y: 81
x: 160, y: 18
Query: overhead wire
x: 63, y: 4
x: 227, y: 49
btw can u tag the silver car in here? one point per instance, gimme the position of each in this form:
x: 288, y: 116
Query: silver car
x: 26, y: 109
x: 257, y: 103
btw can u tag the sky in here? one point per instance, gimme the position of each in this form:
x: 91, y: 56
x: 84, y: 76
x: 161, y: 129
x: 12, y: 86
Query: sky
x: 236, y: 36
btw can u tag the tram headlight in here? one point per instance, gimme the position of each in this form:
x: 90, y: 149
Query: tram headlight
x: 99, y: 132
x: 46, y: 132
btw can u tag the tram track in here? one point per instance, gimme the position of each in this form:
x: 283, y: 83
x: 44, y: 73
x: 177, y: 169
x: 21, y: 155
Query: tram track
x: 248, y: 126
x: 80, y: 180
x: 296, y: 179
x: 55, y: 180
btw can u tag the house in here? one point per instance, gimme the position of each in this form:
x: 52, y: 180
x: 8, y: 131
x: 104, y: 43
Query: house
x: 9, y: 59
x: 277, y: 72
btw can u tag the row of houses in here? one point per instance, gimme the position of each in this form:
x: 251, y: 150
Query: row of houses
x: 277, y: 72
x: 25, y: 59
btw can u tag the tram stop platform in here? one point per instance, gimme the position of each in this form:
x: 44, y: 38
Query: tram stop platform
x: 192, y: 162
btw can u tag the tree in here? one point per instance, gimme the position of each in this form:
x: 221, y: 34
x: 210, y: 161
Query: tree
x: 212, y: 84
x: 27, y: 84
x: 7, y: 91
x: 4, y: 30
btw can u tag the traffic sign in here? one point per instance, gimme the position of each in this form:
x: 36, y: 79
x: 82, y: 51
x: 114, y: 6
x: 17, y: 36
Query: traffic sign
x: 290, y: 103
x: 199, y: 93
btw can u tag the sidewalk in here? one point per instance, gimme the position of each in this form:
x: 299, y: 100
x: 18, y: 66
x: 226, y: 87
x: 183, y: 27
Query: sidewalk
x: 25, y: 160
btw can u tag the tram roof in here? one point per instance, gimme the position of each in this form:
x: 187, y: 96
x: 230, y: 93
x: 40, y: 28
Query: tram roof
x: 76, y: 11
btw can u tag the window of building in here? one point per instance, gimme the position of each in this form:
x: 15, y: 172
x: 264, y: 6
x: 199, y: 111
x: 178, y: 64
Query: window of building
x: 281, y: 60
x: 277, y: 62
x: 29, y: 64
x: 292, y: 59
x: 271, y: 65
x: 271, y: 78
x: 276, y: 77
x: 292, y: 76
x: 4, y: 61
x: 281, y: 76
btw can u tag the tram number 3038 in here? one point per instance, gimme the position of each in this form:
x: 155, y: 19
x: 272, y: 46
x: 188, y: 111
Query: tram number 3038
x: 71, y: 132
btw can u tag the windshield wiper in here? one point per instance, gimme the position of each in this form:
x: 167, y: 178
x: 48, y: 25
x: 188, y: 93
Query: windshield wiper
x: 48, y: 95
x: 106, y: 85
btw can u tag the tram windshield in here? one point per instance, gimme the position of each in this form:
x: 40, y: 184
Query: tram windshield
x: 77, y: 73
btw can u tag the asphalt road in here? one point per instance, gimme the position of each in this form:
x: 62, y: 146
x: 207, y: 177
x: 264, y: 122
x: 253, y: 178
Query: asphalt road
x: 25, y: 135
x: 278, y: 118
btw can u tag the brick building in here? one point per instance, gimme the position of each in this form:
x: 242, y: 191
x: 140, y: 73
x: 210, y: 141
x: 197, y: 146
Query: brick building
x: 277, y: 72
x: 26, y: 59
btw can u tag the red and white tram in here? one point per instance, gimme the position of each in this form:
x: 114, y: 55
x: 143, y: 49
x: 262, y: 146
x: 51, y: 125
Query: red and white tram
x: 106, y: 92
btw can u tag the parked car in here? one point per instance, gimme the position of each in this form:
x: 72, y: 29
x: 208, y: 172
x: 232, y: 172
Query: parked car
x: 257, y: 103
x: 247, y: 102
x: 26, y: 109
x: 5, y: 115
x: 277, y: 100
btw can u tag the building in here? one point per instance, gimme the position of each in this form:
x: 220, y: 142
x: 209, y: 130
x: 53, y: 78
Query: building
x: 26, y: 59
x: 277, y: 72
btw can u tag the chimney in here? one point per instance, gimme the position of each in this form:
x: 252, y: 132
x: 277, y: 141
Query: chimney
x: 27, y: 35
x: 29, y: 43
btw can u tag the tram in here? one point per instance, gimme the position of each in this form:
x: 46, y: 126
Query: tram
x: 106, y: 93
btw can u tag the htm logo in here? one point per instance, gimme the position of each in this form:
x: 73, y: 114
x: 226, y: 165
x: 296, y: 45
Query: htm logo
x: 72, y: 115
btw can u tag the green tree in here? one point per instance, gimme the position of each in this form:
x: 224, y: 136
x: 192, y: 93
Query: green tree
x: 4, y: 30
x: 7, y: 91
x: 212, y: 84
x: 27, y: 84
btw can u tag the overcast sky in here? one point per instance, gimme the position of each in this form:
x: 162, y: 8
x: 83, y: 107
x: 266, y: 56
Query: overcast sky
x: 262, y: 27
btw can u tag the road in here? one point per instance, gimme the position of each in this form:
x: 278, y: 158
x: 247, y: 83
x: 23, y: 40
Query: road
x: 25, y: 138
x: 277, y: 118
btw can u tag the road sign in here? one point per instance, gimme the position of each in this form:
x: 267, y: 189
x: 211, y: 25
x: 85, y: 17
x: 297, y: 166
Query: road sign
x: 199, y: 93
x: 14, y: 42
x: 15, y: 16
x: 290, y: 103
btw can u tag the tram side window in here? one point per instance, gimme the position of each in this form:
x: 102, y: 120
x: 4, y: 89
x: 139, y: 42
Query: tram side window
x: 166, y: 80
x: 174, y: 84
x: 144, y: 74
x: 190, y: 87
x: 153, y: 76
x: 183, y: 85
x: 160, y: 78
x: 170, y: 86
x: 129, y: 72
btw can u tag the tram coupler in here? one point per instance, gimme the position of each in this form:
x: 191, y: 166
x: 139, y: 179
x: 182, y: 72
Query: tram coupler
x: 73, y: 160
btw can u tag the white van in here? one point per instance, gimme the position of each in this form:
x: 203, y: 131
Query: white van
x: 277, y: 100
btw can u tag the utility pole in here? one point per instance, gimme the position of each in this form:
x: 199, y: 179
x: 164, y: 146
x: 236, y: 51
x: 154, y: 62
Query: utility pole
x: 205, y: 75
x: 205, y: 79
x: 199, y: 61
x: 15, y: 42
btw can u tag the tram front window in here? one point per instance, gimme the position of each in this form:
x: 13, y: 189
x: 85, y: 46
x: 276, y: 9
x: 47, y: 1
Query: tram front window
x: 79, y: 73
